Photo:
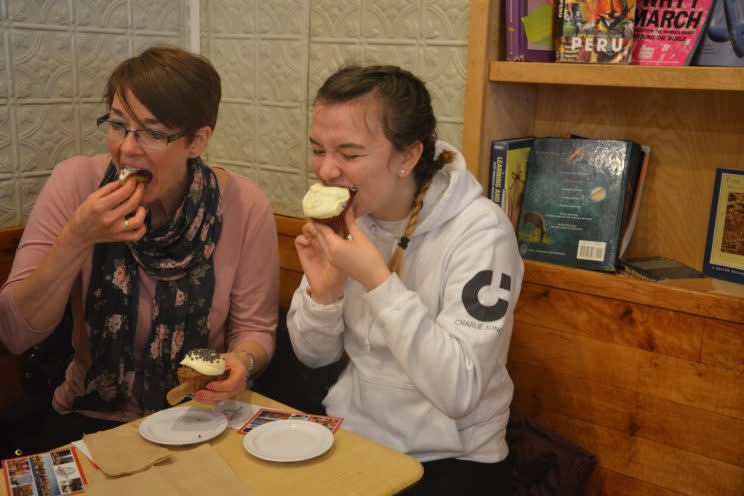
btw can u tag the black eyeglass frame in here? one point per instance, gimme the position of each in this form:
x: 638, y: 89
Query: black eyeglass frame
x: 169, y: 138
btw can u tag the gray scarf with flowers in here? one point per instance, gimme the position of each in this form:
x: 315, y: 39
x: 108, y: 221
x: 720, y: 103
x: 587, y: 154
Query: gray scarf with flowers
x: 179, y: 255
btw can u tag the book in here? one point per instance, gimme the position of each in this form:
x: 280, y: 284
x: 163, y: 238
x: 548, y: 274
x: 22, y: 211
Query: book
x: 722, y: 43
x: 634, y: 205
x: 54, y: 472
x: 596, y: 31
x: 529, y: 30
x: 508, y: 172
x: 265, y: 415
x: 667, y: 32
x: 724, y: 247
x: 658, y: 268
x: 574, y: 201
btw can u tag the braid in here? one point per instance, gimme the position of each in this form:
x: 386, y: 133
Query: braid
x: 397, y: 258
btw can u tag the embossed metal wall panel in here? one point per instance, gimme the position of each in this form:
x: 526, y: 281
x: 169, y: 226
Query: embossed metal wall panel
x: 54, y: 58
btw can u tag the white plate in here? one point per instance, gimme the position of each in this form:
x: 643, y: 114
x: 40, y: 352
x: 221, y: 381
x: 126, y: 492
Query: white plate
x: 288, y: 440
x: 183, y: 425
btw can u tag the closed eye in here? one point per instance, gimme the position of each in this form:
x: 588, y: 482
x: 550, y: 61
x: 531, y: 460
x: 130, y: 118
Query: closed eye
x: 156, y: 135
x: 117, y: 125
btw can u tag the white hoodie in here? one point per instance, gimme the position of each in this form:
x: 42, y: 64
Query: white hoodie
x: 427, y: 373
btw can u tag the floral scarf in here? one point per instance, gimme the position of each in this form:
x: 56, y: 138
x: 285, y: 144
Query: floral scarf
x: 179, y: 255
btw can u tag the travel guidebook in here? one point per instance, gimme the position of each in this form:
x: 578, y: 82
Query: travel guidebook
x: 576, y: 201
x: 508, y: 172
x: 722, y: 43
x: 595, y: 31
x: 529, y: 30
x: 667, y: 32
x: 724, y: 249
x: 55, y: 473
x: 265, y: 415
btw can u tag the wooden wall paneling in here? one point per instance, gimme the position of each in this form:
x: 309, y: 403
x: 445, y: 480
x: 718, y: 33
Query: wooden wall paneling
x: 694, y: 384
x: 635, y: 414
x: 612, y: 320
x: 605, y: 482
x: 723, y: 345
x: 656, y: 463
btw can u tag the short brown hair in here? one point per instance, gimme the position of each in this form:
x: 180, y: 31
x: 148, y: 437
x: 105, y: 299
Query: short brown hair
x: 181, y: 89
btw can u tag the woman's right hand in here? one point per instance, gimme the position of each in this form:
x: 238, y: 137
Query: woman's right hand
x: 326, y: 282
x: 101, y: 218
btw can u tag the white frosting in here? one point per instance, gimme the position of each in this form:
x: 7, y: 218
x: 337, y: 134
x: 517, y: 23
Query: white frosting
x: 324, y: 202
x: 202, y: 366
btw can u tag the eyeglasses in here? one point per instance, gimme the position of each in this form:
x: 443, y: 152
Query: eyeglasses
x: 148, y: 138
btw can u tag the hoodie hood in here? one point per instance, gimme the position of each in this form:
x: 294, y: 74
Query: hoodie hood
x: 452, y: 189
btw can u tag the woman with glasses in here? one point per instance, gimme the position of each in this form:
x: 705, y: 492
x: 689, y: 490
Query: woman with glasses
x: 151, y: 270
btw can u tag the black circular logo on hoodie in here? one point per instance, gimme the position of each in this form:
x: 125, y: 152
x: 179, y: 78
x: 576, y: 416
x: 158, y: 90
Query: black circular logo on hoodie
x: 470, y: 297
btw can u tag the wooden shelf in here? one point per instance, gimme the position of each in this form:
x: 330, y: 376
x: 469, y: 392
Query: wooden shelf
x: 631, y: 76
x: 706, y: 303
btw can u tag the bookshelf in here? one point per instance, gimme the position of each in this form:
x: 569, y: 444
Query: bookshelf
x: 639, y: 373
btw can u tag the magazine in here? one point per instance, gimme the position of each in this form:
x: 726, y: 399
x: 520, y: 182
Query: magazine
x: 54, y: 473
x: 265, y: 415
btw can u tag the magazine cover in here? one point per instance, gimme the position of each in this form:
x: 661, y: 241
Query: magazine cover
x: 575, y: 200
x: 55, y: 473
x: 596, y: 31
x: 667, y: 32
x: 529, y: 31
x: 724, y: 249
x: 722, y: 43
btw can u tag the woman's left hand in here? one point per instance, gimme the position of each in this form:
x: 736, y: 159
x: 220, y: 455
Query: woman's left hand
x: 225, y: 389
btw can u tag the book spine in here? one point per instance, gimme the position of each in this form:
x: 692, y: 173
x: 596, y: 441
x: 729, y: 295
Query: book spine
x: 514, y: 30
x: 498, y: 163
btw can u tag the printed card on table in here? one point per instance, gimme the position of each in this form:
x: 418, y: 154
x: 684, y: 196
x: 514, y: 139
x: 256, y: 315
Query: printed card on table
x: 265, y: 415
x: 55, y: 473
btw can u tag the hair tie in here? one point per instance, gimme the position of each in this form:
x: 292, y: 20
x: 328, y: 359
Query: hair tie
x: 403, y: 242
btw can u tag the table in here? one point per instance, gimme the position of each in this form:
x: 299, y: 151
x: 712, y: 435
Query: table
x: 353, y: 466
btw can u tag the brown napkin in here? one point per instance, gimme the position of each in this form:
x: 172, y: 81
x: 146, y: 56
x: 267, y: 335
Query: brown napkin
x: 197, y: 471
x: 121, y: 450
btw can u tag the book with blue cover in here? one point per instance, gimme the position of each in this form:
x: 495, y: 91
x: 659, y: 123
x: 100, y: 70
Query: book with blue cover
x: 576, y: 200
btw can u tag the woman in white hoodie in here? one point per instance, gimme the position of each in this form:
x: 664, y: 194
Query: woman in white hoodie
x: 420, y: 295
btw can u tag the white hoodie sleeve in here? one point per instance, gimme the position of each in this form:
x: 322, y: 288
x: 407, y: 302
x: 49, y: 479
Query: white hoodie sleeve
x: 452, y: 357
x: 314, y: 329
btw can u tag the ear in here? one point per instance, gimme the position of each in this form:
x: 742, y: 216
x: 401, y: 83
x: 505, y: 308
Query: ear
x: 411, y: 156
x: 200, y: 141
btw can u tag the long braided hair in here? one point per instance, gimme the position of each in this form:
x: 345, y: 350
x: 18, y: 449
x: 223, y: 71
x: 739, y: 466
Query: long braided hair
x: 407, y: 119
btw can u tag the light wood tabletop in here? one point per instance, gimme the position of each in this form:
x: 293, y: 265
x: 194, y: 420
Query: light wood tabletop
x: 353, y: 466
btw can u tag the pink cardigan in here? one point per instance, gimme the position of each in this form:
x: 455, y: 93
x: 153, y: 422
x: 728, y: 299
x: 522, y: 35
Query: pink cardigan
x: 246, y: 263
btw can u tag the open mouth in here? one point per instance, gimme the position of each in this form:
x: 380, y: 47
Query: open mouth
x: 139, y: 175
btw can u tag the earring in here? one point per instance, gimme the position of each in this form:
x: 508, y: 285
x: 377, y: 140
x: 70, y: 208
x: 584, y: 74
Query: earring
x: 402, y: 172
